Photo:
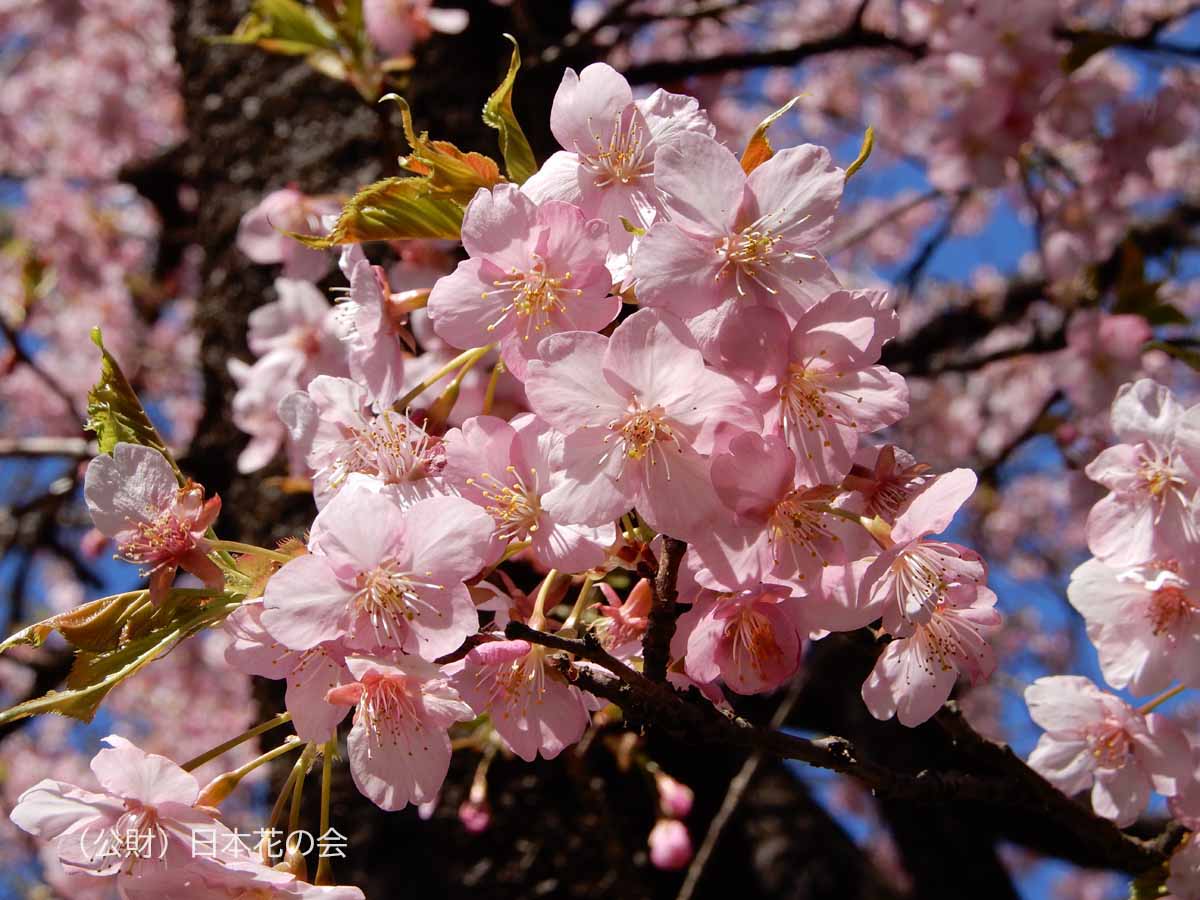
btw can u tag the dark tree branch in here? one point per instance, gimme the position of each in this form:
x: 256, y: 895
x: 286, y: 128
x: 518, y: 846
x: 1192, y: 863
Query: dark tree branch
x: 656, y: 645
x: 1006, y: 781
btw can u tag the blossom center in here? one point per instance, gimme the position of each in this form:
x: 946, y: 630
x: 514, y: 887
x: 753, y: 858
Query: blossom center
x: 384, y: 704
x: 1109, y: 744
x: 388, y: 448
x: 808, y: 404
x: 642, y: 430
x: 623, y: 158
x: 511, y: 686
x: 391, y: 599
x: 531, y: 296
x: 159, y: 541
x: 753, y: 642
x: 799, y: 524
x: 1169, y: 606
x: 1157, y: 475
x: 516, y: 506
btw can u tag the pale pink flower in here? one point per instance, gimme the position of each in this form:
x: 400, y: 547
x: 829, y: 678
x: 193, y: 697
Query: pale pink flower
x: 310, y: 674
x: 780, y: 531
x: 299, y: 327
x: 333, y: 425
x: 670, y: 845
x: 622, y: 624
x: 915, y: 674
x: 1144, y: 622
x: 506, y: 469
x: 933, y: 602
x: 395, y: 25
x: 730, y: 240
x: 751, y: 639
x: 374, y: 332
x: 1096, y: 740
x: 1152, y: 474
x: 609, y: 141
x: 399, y: 746
x: 831, y: 392
x: 381, y: 577
x: 911, y: 579
x: 261, y: 236
x: 142, y: 819
x: 532, y: 711
x: 640, y: 412
x: 135, y: 499
x: 535, y: 269
x: 886, y: 478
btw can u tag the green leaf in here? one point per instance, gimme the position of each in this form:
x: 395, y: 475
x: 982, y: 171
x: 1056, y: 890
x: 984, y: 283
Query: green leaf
x: 758, y: 148
x: 95, y: 674
x: 519, y: 162
x: 451, y: 171
x: 285, y: 26
x: 116, y: 415
x: 864, y: 153
x: 392, y: 210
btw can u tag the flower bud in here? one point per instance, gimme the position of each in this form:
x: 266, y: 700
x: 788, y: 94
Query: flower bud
x: 670, y: 845
x: 674, y: 798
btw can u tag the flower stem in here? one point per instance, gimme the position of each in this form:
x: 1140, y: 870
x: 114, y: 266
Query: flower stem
x: 193, y: 764
x: 324, y: 871
x: 217, y: 790
x: 489, y: 396
x: 538, y: 618
x: 877, y: 528
x: 581, y: 603
x: 251, y: 549
x: 466, y: 358
x: 1161, y: 698
x: 298, y: 787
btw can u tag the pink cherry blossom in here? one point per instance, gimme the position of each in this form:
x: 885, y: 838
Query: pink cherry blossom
x: 732, y: 240
x: 507, y: 469
x: 640, y: 412
x: 780, y: 531
x: 333, y: 425
x: 381, y: 577
x: 1152, y: 474
x: 235, y: 880
x: 886, y: 478
x: 395, y: 25
x: 915, y: 674
x: 670, y: 845
x: 375, y: 333
x: 751, y: 639
x: 399, y: 747
x: 532, y: 711
x: 135, y: 499
x: 261, y: 234
x: 299, y: 327
x: 831, y: 392
x: 310, y: 674
x: 1144, y: 622
x: 146, y: 801
x: 1096, y: 740
x: 622, y: 624
x: 609, y: 141
x: 535, y: 269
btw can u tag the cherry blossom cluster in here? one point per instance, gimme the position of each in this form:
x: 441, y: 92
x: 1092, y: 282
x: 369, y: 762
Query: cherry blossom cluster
x: 1139, y: 597
x: 684, y: 368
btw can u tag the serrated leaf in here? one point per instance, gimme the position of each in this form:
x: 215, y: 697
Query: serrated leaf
x: 393, y: 209
x: 519, y: 162
x: 451, y: 172
x: 115, y: 414
x: 758, y: 148
x: 95, y: 674
x: 864, y: 152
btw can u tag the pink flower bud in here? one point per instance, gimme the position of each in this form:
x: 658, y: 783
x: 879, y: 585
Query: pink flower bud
x: 670, y: 845
x: 475, y: 817
x: 674, y: 798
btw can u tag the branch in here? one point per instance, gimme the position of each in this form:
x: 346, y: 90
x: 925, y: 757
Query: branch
x: 13, y: 339
x: 855, y: 37
x: 1010, y: 784
x: 656, y: 645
